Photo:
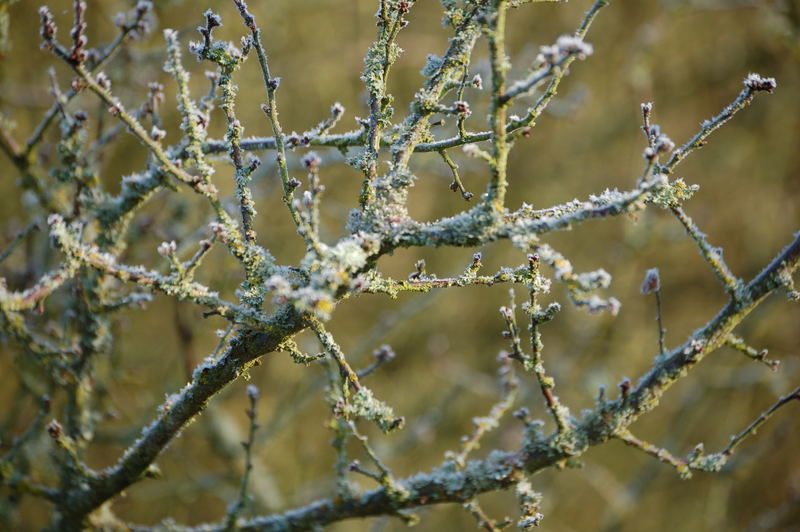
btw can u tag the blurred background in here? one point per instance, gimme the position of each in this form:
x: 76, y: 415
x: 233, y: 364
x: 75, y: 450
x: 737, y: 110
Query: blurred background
x: 686, y: 56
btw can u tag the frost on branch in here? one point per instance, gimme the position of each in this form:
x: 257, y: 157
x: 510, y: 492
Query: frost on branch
x: 207, y: 191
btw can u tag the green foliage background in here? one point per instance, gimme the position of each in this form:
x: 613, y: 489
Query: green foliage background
x: 687, y: 56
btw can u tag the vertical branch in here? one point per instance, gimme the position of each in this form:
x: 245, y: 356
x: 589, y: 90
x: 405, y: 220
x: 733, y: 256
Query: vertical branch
x: 243, y: 171
x: 228, y: 61
x: 495, y: 34
x: 337, y: 387
x: 312, y: 199
x: 270, y: 109
x: 414, y: 127
x: 335, y: 351
x: 536, y: 364
x: 456, y: 185
x: 661, y: 330
x: 379, y: 59
x: 652, y: 284
x: 476, y: 82
x: 236, y: 508
x: 242, y: 244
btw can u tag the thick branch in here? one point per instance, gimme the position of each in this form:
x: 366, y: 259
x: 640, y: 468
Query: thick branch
x: 502, y: 469
x: 179, y: 410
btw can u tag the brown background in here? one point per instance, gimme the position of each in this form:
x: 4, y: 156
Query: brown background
x: 687, y: 56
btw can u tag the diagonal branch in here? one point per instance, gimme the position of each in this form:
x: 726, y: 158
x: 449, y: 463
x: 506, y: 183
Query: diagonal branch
x: 501, y: 470
x: 179, y: 410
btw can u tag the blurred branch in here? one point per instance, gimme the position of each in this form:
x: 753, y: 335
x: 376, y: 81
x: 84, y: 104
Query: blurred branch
x: 18, y: 238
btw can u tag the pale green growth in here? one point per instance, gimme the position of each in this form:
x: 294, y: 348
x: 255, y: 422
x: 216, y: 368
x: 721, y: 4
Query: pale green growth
x: 674, y: 194
x: 739, y: 344
x: 46, y: 285
x: 363, y: 404
x: 256, y: 260
x: 579, y: 285
x: 194, y: 122
x: 529, y: 501
x: 172, y: 285
x: 290, y: 346
x: 422, y: 282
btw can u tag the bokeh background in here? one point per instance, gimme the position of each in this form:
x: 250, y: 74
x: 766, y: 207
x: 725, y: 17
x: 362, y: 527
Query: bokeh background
x: 687, y: 56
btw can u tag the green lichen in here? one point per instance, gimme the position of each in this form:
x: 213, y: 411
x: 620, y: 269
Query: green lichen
x: 363, y: 404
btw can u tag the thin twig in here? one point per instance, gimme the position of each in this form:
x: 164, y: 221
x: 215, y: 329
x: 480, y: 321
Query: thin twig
x: 236, y: 508
x: 712, y: 255
x: 18, y: 238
